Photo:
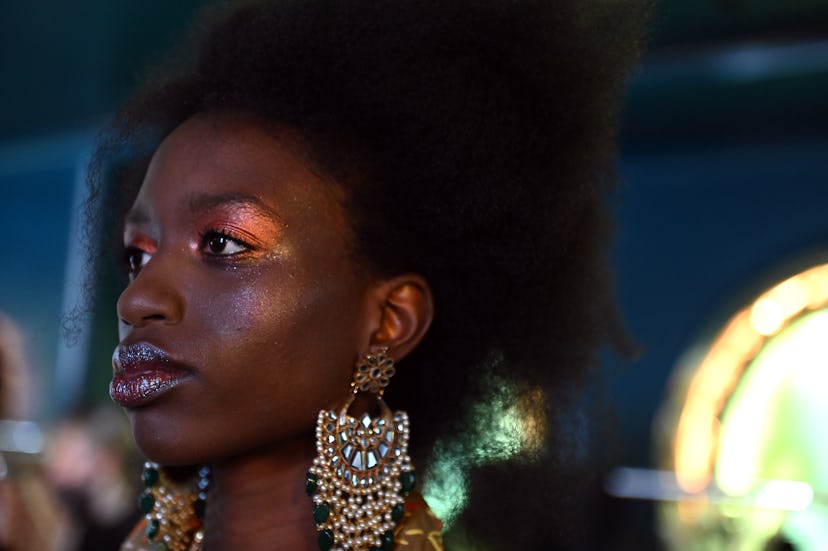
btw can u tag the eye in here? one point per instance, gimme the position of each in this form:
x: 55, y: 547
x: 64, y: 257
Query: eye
x: 136, y: 259
x: 218, y: 243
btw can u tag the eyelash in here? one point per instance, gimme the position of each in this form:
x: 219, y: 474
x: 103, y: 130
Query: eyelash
x: 129, y: 262
x: 207, y: 236
x: 135, y: 258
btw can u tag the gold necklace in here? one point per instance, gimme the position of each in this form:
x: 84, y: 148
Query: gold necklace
x: 174, y: 514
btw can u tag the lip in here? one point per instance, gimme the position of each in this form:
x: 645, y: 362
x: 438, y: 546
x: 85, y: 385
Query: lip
x: 142, y: 373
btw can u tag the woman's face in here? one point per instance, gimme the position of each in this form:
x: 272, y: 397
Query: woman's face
x: 245, y: 310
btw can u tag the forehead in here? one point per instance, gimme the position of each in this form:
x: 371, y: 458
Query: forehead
x: 229, y: 153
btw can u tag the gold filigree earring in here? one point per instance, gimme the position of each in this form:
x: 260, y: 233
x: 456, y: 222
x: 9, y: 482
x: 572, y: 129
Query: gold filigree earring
x: 362, y: 471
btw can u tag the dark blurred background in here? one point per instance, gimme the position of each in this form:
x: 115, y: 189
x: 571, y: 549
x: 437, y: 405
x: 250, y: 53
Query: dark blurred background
x: 724, y: 165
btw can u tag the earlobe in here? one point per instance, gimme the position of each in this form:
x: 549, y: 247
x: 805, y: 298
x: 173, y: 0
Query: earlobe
x: 406, y: 314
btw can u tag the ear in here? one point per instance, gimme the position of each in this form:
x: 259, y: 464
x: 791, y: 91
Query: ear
x: 406, y: 309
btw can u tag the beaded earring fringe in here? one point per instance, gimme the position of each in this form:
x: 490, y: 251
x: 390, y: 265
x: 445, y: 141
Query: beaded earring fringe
x: 362, y: 471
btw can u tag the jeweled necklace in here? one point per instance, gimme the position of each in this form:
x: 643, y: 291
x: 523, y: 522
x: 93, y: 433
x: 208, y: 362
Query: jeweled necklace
x: 174, y: 516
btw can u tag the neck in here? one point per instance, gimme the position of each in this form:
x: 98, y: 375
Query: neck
x: 258, y: 502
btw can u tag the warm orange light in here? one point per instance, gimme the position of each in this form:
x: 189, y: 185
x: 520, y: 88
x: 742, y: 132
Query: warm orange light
x: 697, y: 434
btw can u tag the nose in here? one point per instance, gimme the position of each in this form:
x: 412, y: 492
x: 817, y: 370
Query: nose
x: 153, y: 296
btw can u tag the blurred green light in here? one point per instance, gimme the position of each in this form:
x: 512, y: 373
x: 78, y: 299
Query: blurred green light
x: 774, y: 430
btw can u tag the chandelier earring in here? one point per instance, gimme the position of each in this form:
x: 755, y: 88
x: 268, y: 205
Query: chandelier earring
x: 362, y: 471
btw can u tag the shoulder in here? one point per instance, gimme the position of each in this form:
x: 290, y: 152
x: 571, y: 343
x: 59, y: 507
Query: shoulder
x: 419, y: 530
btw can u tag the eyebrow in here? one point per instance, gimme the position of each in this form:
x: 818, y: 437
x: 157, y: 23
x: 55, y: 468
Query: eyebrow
x: 207, y: 201
x: 203, y: 202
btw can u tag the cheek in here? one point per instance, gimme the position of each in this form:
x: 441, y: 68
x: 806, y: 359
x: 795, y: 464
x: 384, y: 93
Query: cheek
x: 259, y: 307
x: 291, y: 330
x: 250, y: 331
x: 250, y: 306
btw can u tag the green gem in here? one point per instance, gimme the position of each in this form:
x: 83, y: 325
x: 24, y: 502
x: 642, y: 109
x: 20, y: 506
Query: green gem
x: 397, y: 512
x: 325, y: 539
x: 321, y: 513
x: 387, y: 541
x: 146, y: 502
x: 150, y: 477
x: 311, y: 483
x: 152, y: 529
x: 407, y: 480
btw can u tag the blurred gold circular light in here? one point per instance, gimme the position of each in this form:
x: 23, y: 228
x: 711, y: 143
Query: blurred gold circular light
x: 728, y: 356
x: 767, y: 316
x: 741, y: 419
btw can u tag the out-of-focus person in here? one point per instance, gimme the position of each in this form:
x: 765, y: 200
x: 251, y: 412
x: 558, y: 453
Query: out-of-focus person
x: 31, y: 518
x: 86, y: 458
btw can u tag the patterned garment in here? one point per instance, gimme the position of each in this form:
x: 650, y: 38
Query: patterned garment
x: 419, y: 530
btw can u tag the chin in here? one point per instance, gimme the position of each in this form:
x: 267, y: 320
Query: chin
x: 162, y: 440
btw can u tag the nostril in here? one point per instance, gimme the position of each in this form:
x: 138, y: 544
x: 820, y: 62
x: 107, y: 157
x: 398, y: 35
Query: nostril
x: 153, y: 317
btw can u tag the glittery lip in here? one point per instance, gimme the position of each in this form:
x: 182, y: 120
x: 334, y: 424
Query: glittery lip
x: 142, y: 373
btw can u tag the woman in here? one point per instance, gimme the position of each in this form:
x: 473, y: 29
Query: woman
x: 333, y: 187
